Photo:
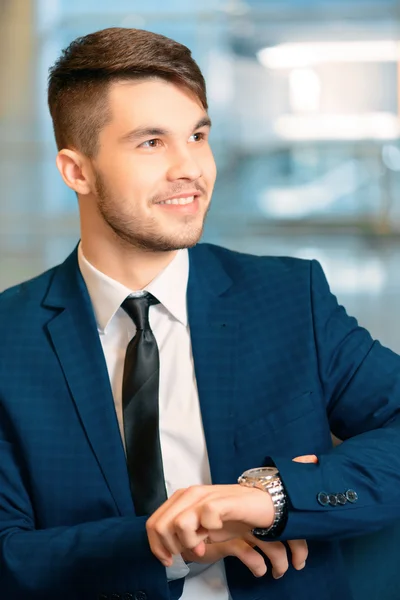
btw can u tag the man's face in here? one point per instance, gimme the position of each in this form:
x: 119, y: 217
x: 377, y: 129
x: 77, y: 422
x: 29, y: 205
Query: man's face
x: 154, y: 170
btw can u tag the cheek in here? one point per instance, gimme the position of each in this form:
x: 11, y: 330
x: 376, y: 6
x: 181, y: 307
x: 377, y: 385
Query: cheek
x: 209, y: 168
x: 130, y: 176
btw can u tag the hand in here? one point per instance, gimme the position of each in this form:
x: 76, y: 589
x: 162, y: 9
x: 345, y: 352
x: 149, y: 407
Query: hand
x: 217, y: 512
x: 306, y: 458
x: 243, y: 549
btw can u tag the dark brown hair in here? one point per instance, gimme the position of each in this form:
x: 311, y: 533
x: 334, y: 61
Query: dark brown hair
x: 80, y: 79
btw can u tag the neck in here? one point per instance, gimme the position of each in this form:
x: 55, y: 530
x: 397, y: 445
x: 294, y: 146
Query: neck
x: 133, y: 267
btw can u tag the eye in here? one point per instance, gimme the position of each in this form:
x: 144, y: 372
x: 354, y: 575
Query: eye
x: 198, y: 136
x: 151, y: 143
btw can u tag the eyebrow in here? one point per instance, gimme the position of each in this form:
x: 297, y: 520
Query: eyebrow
x: 141, y: 132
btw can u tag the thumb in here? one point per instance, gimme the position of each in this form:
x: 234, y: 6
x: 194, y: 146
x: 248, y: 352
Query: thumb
x: 306, y: 458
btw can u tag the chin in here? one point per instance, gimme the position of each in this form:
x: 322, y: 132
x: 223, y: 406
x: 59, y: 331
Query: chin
x: 182, y: 244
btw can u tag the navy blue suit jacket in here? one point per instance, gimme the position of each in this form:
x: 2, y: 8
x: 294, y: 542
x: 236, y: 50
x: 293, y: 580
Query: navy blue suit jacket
x: 278, y: 364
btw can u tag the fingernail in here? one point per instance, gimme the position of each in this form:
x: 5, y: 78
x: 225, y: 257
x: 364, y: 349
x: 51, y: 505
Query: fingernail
x: 301, y: 566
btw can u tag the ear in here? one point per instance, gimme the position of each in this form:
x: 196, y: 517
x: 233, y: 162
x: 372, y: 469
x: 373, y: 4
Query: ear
x: 75, y: 171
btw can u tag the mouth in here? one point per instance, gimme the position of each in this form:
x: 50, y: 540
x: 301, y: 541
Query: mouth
x: 179, y: 201
x: 182, y: 204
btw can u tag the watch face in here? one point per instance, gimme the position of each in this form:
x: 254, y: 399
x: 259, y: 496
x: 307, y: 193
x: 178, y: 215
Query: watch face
x: 261, y: 472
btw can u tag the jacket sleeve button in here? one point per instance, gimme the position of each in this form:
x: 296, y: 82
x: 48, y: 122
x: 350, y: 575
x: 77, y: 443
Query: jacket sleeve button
x: 351, y: 496
x: 140, y: 596
x: 341, y: 499
x: 323, y: 498
x: 333, y: 500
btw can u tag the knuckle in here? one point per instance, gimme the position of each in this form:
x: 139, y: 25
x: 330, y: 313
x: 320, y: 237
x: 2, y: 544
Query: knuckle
x: 150, y: 530
x: 159, y: 530
x: 210, y: 504
x: 195, y: 490
x: 180, y: 524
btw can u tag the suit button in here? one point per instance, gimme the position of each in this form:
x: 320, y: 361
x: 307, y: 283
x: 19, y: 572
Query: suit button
x: 333, y: 501
x: 323, y: 498
x: 341, y: 499
x: 140, y: 596
x: 351, y: 496
x: 127, y: 597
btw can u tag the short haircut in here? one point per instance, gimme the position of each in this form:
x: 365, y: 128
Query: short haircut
x: 80, y: 79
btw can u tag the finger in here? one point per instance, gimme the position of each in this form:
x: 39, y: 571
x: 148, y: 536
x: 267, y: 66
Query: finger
x: 188, y: 529
x: 249, y: 557
x: 164, y: 543
x: 238, y: 548
x: 277, y: 554
x: 171, y: 543
x: 200, y: 550
x: 208, y: 519
x: 160, y: 526
x: 177, y: 502
x: 211, y: 506
x: 212, y: 554
x: 245, y: 507
x: 306, y: 458
x: 299, y: 550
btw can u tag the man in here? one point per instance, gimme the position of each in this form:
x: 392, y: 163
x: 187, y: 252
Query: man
x: 139, y: 380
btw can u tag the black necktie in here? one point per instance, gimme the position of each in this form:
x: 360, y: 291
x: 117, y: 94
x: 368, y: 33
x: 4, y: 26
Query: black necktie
x: 140, y: 410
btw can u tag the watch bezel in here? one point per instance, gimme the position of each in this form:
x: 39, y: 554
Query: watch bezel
x: 250, y: 474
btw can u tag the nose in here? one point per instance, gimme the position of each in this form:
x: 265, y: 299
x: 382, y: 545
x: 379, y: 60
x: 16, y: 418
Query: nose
x: 183, y: 165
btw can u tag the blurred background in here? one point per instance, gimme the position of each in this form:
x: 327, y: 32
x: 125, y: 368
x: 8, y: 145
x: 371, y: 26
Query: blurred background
x: 305, y: 101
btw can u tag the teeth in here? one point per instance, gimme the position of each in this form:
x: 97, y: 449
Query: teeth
x: 179, y: 200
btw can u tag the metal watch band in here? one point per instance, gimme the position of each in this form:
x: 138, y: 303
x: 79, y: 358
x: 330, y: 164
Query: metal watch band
x: 274, y: 486
x: 277, y: 492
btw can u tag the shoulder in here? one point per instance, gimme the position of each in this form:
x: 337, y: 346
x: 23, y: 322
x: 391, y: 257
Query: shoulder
x: 246, y: 267
x: 18, y: 301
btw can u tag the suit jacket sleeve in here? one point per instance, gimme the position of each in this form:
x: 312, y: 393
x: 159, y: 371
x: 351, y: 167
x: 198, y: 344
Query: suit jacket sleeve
x: 360, y: 385
x: 80, y: 561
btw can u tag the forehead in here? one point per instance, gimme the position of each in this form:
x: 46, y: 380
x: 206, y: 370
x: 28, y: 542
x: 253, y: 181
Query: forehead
x: 145, y: 102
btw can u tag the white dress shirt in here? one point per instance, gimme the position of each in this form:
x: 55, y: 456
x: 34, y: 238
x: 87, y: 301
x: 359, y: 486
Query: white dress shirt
x: 183, y: 445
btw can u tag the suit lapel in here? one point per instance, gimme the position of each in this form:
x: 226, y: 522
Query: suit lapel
x: 74, y: 335
x: 214, y: 327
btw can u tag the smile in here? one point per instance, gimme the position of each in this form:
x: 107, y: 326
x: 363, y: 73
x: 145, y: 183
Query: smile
x: 181, y: 201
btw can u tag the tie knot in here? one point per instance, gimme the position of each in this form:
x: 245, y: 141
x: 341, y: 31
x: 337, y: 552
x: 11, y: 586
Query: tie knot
x: 137, y: 307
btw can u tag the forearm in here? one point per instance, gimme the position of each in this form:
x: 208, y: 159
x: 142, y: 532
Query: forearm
x: 104, y: 557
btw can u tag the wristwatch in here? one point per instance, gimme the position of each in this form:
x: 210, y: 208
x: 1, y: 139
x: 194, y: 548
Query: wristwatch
x: 268, y: 480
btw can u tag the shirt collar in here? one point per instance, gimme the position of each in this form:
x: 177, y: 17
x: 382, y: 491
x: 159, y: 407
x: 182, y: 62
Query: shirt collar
x: 107, y: 294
